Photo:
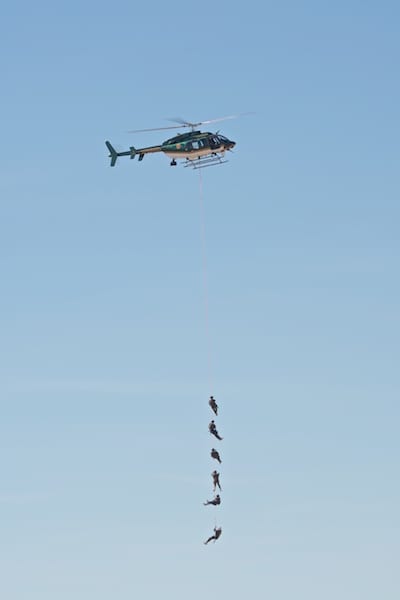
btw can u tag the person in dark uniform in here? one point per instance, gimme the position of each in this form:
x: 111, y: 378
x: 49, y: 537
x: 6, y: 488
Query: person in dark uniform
x: 213, y: 430
x: 215, y: 476
x: 215, y: 454
x: 215, y: 502
x: 217, y: 533
x: 213, y: 404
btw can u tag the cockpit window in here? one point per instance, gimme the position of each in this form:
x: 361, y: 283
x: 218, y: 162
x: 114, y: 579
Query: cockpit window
x: 214, y: 141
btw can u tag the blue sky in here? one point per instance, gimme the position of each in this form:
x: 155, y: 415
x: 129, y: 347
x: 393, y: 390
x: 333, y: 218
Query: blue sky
x: 103, y: 350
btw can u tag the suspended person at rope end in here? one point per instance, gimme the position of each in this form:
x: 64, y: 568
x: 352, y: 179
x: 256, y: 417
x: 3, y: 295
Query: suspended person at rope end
x: 217, y: 534
x: 215, y: 501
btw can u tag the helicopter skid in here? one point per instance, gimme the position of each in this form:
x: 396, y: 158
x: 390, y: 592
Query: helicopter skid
x: 202, y: 162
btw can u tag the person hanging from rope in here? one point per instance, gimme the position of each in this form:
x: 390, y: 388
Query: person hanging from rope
x: 213, y: 404
x: 215, y: 502
x: 213, y: 430
x: 217, y: 533
x: 215, y: 454
x: 215, y: 476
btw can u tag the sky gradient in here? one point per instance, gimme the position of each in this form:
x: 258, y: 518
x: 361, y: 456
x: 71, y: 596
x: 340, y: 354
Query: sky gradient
x: 104, y: 377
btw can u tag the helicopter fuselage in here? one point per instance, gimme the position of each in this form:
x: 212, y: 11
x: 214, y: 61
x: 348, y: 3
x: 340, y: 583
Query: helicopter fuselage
x: 192, y: 146
x: 196, y: 144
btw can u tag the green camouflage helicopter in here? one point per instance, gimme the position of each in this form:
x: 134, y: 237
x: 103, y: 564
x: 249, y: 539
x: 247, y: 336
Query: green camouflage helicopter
x: 197, y: 148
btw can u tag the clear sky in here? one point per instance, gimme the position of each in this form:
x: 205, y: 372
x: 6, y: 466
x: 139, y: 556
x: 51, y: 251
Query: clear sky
x: 103, y: 353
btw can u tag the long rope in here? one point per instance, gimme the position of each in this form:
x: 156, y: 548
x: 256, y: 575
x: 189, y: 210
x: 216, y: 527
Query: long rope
x: 206, y: 303
x: 205, y: 284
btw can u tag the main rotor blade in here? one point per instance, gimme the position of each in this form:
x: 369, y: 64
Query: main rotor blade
x: 182, y: 123
x: 190, y: 124
x: 152, y: 129
x: 225, y: 118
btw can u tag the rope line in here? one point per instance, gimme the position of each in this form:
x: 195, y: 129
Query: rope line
x: 205, y: 284
x: 209, y: 347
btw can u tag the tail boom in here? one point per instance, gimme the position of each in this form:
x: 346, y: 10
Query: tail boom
x: 131, y: 152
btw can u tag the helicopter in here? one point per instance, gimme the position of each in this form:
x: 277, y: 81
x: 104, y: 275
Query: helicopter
x: 198, y: 148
